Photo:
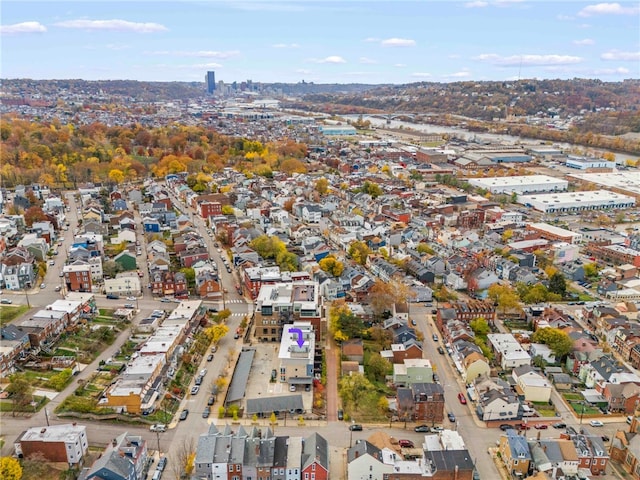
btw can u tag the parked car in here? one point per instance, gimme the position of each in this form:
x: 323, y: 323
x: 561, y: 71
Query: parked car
x: 209, y: 357
x: 422, y: 429
x: 43, y: 285
x: 162, y: 463
x: 184, y: 414
x: 596, y: 423
x: 435, y: 337
x: 132, y: 299
x: 436, y: 379
x: 559, y: 425
x: 505, y: 426
x: 52, y: 262
x: 292, y: 388
x: 111, y: 296
x: 195, y: 389
x: 405, y: 443
x: 441, y: 350
x: 524, y: 426
x: 340, y: 415
x: 413, y: 322
x: 6, y: 301
x: 58, y: 288
x: 436, y: 429
x: 452, y: 417
x: 206, y: 412
x: 605, y: 438
x: 355, y: 427
x: 214, y: 349
x: 541, y: 426
x: 166, y: 300
x: 158, y: 427
x: 211, y: 400
x: 461, y: 398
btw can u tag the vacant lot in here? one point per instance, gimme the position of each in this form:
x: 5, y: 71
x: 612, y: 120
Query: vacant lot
x: 8, y: 313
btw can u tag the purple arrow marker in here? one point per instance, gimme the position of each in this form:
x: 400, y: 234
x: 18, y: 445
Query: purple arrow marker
x: 300, y: 335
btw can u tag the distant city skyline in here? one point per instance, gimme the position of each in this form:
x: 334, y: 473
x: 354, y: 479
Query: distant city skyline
x: 374, y: 42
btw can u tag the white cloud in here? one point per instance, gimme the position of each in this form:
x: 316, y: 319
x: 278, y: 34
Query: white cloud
x: 608, y: 9
x: 331, y: 59
x: 368, y: 61
x: 113, y: 26
x: 421, y: 74
x: 24, y: 27
x: 285, y: 45
x: 196, y: 53
x: 621, y: 56
x: 461, y: 74
x: 528, y: 60
x: 398, y: 42
x: 206, y: 65
x: 476, y: 4
x: 612, y: 71
x: 584, y: 41
x: 399, y: 65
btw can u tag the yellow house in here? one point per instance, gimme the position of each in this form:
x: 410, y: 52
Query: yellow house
x: 475, y: 364
x: 515, y: 453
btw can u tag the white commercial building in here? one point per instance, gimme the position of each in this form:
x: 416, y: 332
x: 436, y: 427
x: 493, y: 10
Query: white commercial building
x: 577, y: 201
x: 56, y: 443
x: 623, y: 182
x: 296, y: 355
x: 508, y: 350
x: 520, y: 184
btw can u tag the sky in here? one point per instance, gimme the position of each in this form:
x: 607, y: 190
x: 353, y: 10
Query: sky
x: 327, y: 41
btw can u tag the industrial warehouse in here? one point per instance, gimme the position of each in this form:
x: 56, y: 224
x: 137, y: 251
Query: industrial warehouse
x: 520, y: 184
x: 577, y: 201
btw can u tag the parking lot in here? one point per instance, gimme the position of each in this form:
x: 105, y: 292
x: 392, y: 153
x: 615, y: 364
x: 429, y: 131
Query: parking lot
x: 259, y: 384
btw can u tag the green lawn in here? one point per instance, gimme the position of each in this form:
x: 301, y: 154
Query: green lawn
x: 7, y: 405
x: 573, y: 396
x: 9, y: 313
x: 544, y: 409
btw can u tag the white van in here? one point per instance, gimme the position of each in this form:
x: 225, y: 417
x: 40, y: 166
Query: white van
x: 157, y: 475
x: 203, y: 372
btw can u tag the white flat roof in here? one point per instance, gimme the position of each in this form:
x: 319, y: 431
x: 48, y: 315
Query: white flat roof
x: 517, y: 181
x: 627, y: 180
x: 561, y: 232
x: 67, y: 433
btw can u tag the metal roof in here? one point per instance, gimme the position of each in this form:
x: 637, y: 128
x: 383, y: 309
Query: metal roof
x: 238, y: 384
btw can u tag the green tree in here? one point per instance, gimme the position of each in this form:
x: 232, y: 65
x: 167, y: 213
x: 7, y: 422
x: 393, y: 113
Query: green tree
x: 558, y: 284
x: 222, y: 315
x: 425, y: 248
x: 287, y: 261
x: 591, y: 270
x: 504, y: 295
x: 480, y: 327
x: 322, y: 186
x: 59, y: 380
x: 557, y: 340
x: 10, y: 468
x: 377, y: 367
x: 372, y: 189
x: 227, y: 210
x: 268, y: 246
x: 353, y: 388
x: 190, y: 275
x: 331, y: 265
x: 359, y: 252
x: 111, y: 268
x: 216, y: 332
x: 343, y: 323
x: 20, y: 390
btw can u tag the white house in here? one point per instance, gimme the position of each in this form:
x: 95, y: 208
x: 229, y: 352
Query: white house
x: 543, y: 351
x: 124, y: 236
x: 367, y: 462
x: 413, y: 370
x: 126, y: 283
x: 508, y: 350
x: 531, y: 384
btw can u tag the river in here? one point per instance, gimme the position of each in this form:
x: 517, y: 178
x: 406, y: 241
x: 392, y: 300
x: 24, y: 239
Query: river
x: 621, y: 158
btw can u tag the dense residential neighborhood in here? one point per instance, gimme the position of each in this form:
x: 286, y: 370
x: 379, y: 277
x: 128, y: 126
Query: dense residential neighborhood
x: 385, y: 307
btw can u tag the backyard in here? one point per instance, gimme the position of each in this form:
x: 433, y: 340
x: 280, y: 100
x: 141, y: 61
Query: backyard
x: 86, y: 396
x: 579, y: 405
x: 8, y: 313
x: 87, y: 341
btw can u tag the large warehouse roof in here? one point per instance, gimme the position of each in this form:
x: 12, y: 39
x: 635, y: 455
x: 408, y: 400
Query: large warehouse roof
x: 532, y: 183
x: 590, y: 200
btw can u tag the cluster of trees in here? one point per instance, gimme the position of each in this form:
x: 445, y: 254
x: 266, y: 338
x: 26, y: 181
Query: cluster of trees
x: 58, y: 155
x: 343, y: 323
x: 331, y: 265
x: 271, y: 247
x: 481, y: 329
x: 507, y: 297
x: 557, y: 340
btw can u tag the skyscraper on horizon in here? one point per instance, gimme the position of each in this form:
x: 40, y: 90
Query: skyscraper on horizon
x: 210, y: 79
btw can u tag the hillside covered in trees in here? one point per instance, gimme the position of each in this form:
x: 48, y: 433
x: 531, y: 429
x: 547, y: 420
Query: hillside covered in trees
x: 53, y: 154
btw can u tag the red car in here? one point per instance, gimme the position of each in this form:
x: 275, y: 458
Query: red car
x: 541, y: 426
x: 524, y: 426
x: 462, y: 399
